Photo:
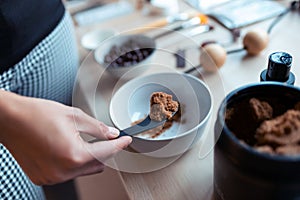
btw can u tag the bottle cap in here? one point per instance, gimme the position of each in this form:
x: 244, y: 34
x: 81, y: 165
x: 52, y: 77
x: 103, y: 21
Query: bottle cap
x: 279, y: 66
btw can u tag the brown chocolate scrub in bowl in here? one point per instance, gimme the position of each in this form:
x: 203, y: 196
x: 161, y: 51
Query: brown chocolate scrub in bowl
x: 267, y: 128
x: 162, y: 106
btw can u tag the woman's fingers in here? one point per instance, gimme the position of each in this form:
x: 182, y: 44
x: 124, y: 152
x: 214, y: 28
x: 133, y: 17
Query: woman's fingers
x: 105, y: 149
x: 86, y: 124
x: 95, y: 154
x: 92, y: 167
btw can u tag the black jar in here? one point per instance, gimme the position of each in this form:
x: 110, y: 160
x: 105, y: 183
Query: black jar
x: 240, y: 171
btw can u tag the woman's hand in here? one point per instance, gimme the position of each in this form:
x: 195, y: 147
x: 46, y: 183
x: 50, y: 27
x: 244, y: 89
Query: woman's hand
x: 44, y: 137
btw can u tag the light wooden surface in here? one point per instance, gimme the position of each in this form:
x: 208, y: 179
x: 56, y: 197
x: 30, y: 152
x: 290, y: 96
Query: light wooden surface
x: 191, y: 175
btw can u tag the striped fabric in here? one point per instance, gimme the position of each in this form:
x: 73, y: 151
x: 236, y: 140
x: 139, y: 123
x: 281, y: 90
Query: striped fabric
x: 49, y: 72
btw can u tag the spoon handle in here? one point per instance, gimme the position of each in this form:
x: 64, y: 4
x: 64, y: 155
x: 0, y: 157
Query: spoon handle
x: 123, y: 133
x: 143, y: 126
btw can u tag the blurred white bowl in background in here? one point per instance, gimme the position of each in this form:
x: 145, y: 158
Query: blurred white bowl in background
x: 91, y: 40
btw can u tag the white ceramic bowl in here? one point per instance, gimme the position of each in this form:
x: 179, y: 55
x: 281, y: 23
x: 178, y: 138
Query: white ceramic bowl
x: 132, y: 102
x: 125, y: 72
x: 91, y: 40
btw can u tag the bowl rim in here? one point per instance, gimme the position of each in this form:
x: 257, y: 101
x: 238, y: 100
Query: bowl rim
x: 128, y: 36
x: 233, y: 137
x: 204, y: 120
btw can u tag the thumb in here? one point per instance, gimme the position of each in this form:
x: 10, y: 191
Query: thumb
x: 105, y: 149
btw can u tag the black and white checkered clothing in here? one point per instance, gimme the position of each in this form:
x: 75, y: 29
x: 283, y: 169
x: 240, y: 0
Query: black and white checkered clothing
x: 14, y: 184
x: 49, y: 72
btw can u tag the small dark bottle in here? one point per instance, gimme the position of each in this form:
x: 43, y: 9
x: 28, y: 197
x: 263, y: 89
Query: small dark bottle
x: 279, y: 67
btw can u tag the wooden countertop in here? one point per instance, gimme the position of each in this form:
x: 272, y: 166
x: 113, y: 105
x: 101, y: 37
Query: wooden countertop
x: 191, y: 175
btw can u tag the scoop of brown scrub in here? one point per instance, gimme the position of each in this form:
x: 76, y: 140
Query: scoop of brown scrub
x: 162, y: 106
